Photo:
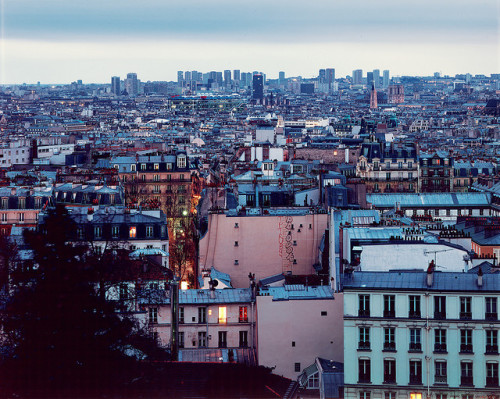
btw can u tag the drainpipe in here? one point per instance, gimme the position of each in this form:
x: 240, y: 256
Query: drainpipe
x: 427, y: 357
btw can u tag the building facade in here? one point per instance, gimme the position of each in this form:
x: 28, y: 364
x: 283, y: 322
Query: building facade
x: 421, y: 335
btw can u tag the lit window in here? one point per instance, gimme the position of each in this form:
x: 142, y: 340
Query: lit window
x: 133, y: 232
x: 157, y: 166
x: 415, y: 395
x: 222, y: 314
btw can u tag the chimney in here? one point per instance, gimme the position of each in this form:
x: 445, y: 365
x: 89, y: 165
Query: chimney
x: 430, y: 273
x: 480, y: 278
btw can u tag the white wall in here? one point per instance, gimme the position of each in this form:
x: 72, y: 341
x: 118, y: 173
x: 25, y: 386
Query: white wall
x: 411, y: 256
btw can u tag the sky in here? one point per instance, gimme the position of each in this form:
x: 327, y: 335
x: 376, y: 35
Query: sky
x: 60, y: 41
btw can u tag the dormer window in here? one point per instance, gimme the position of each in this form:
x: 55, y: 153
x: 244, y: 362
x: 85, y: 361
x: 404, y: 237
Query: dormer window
x: 133, y: 168
x: 143, y: 166
x: 157, y: 166
x: 181, y: 161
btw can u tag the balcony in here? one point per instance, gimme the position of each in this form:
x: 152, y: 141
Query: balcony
x: 243, y: 320
x: 465, y: 315
x: 440, y: 348
x: 390, y: 346
x: 491, y: 316
x: 466, y: 348
x: 440, y: 315
x: 364, y: 345
x: 415, y: 380
x: 364, y: 313
x: 389, y: 313
x: 414, y: 314
x: 389, y: 378
x: 415, y: 347
x: 492, y: 349
x: 466, y: 381
x: 440, y: 379
x: 492, y: 382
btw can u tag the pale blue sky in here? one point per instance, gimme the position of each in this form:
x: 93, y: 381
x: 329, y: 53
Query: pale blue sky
x: 57, y: 41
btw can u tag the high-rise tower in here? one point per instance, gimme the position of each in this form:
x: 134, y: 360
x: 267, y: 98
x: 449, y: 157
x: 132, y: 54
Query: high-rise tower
x: 258, y: 87
x: 115, y: 85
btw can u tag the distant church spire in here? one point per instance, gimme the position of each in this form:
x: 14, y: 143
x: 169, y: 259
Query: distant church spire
x: 373, y: 97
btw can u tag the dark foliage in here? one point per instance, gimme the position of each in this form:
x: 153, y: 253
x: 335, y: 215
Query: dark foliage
x: 60, y: 335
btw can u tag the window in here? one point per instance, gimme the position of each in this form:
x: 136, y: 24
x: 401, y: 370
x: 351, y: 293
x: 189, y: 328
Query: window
x: 415, y: 372
x: 313, y: 381
x: 414, y: 310
x: 97, y: 232
x: 390, y: 395
x: 439, y: 340
x: 389, y: 339
x: 364, y: 374
x: 38, y: 202
x: 243, y: 339
x: 441, y: 373
x: 149, y: 231
x: 202, y: 315
x: 364, y: 306
x: 181, y: 315
x: 491, y: 308
x: 466, y: 341
x: 389, y: 306
x: 243, y: 317
x: 296, y: 367
x: 181, y: 339
x: 236, y: 243
x: 5, y: 203
x: 388, y: 176
x: 132, y: 232
x: 466, y: 373
x: 236, y: 225
x: 410, y: 165
x: 389, y: 371
x: 123, y: 292
x: 202, y: 339
x: 222, y: 339
x: 4, y: 217
x: 156, y: 166
x: 133, y: 168
x: 143, y: 166
x: 153, y: 315
x: 324, y: 313
x: 415, y: 339
x: 364, y: 338
x: 21, y: 217
x: 156, y: 189
x: 465, y: 308
x: 440, y: 307
x: 492, y: 341
x: 364, y: 395
x: 492, y: 374
x: 181, y: 161
x: 115, y: 231
x: 222, y: 315
x: 236, y: 262
x: 22, y: 203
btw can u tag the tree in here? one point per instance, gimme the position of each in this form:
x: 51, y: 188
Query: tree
x: 59, y: 334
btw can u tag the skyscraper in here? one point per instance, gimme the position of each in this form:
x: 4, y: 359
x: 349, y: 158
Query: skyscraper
x: 115, y: 85
x: 357, y: 77
x: 187, y: 76
x: 369, y: 79
x: 386, y: 79
x: 180, y: 77
x: 376, y: 78
x: 282, y: 77
x: 330, y: 78
x: 322, y: 76
x: 258, y: 87
x: 132, y: 84
x: 236, y: 75
x: 227, y: 78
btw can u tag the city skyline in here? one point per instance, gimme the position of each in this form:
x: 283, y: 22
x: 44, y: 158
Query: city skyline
x: 56, y: 42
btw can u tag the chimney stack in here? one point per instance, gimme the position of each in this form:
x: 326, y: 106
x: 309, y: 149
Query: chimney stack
x: 430, y: 273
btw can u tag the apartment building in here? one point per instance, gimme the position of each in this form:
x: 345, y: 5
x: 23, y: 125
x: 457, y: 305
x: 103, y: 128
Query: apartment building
x: 421, y: 335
